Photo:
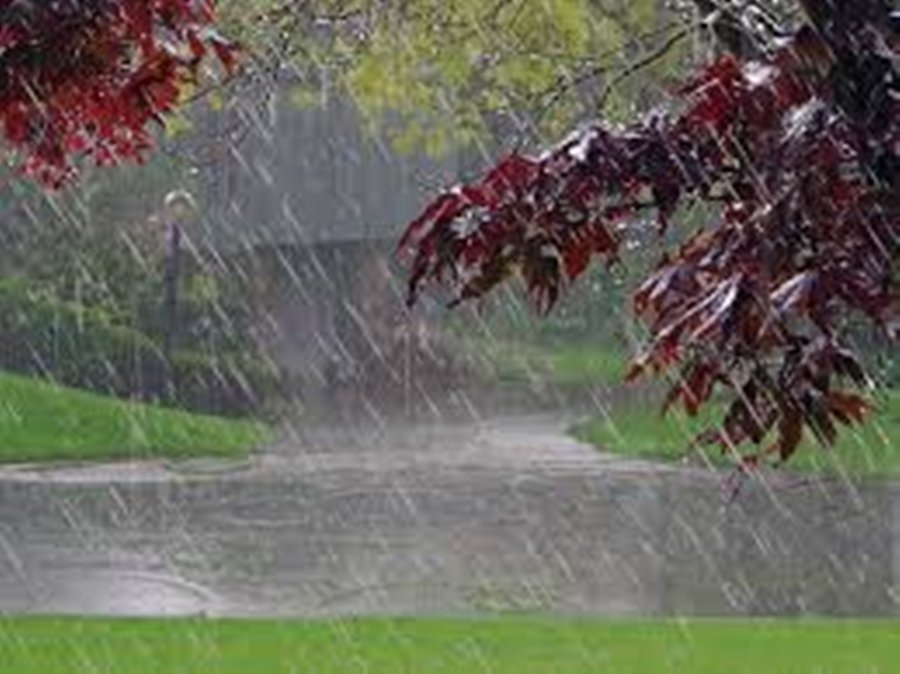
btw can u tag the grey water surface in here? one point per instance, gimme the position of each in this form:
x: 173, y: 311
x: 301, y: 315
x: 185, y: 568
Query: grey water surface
x: 507, y: 515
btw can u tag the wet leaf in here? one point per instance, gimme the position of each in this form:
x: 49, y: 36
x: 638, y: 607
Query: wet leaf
x: 805, y: 233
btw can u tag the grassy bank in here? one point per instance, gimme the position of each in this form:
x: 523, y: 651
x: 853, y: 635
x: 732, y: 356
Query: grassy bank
x: 502, y: 646
x: 559, y: 364
x: 43, y: 422
x: 870, y: 450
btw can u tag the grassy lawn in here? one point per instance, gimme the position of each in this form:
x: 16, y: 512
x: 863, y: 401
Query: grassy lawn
x: 424, y: 646
x: 560, y: 364
x: 43, y: 422
x: 869, y: 450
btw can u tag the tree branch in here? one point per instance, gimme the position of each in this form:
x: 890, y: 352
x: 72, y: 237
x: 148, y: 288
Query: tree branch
x: 644, y: 62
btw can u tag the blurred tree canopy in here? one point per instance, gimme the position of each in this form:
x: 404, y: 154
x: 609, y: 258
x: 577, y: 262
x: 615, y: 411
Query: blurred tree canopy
x: 440, y: 73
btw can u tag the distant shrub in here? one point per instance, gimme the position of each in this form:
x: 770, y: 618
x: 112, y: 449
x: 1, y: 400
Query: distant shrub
x: 82, y: 347
x: 224, y: 383
x: 74, y: 345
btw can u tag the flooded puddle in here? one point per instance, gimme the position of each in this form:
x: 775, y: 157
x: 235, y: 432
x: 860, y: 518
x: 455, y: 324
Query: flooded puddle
x: 506, y: 517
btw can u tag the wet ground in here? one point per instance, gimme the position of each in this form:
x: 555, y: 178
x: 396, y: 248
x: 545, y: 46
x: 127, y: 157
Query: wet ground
x: 452, y: 518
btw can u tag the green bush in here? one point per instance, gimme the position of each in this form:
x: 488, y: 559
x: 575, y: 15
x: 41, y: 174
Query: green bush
x: 82, y: 347
x: 74, y: 345
x: 224, y: 383
x: 208, y: 317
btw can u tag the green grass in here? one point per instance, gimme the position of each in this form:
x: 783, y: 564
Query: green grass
x: 43, y: 422
x: 432, y: 646
x: 872, y: 449
x: 561, y: 364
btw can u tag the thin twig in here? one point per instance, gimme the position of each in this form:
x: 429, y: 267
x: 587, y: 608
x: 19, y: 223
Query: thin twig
x: 645, y: 62
x: 564, y: 84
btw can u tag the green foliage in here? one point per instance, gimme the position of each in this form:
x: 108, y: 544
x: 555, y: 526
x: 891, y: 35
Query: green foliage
x: 442, y: 73
x: 94, y: 244
x: 98, y: 233
x: 73, y: 344
x: 222, y: 382
x: 84, y: 347
x: 43, y: 422
x: 212, y: 315
x: 84, y: 286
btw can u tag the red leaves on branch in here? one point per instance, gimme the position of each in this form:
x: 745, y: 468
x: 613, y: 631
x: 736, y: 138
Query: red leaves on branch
x: 807, y: 236
x: 84, y: 78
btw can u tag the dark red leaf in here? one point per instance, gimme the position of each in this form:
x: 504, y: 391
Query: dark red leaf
x: 798, y: 154
x: 847, y: 407
x: 86, y: 79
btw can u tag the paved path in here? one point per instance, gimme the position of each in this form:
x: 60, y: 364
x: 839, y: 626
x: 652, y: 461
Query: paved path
x: 506, y: 515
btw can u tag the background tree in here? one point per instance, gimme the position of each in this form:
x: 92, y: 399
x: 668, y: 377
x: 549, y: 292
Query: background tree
x: 438, y: 74
x: 792, y: 136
